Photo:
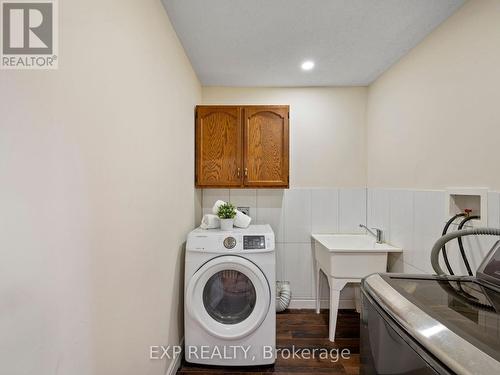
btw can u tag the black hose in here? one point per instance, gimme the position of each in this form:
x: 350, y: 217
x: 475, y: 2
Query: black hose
x: 445, y: 230
x: 461, y: 244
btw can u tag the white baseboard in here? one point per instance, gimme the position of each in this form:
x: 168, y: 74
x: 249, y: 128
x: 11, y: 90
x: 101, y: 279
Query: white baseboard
x: 325, y: 304
x: 176, y: 363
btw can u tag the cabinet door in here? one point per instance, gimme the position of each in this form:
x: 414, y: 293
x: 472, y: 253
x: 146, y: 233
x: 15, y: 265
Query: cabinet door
x: 218, y: 146
x: 266, y: 146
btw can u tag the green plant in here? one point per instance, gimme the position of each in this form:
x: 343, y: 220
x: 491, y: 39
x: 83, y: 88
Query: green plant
x: 226, y: 211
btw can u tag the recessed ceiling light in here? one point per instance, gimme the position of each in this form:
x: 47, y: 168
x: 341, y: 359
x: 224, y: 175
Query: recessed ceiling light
x: 307, y: 65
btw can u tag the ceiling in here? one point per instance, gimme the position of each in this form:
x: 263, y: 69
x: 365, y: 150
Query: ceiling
x: 264, y: 42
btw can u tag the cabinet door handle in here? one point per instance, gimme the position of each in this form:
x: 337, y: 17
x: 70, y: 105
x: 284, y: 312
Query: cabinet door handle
x: 246, y: 172
x: 238, y: 173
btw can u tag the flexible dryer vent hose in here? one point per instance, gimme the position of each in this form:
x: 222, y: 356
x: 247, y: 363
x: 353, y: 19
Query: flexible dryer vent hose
x: 283, y: 295
x: 450, y: 236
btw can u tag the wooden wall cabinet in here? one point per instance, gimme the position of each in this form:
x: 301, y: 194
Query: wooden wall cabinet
x: 242, y: 146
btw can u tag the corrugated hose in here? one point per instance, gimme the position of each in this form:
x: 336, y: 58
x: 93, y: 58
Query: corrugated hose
x: 450, y: 236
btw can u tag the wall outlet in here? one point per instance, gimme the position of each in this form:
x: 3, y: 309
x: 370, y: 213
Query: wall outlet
x: 245, y: 210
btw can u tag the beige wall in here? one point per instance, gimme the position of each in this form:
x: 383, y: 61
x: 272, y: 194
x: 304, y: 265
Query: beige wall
x: 96, y: 195
x: 327, y: 130
x: 434, y: 118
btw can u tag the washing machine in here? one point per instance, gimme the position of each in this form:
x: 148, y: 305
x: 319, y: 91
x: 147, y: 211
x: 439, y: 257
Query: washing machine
x: 229, y: 297
x: 428, y: 324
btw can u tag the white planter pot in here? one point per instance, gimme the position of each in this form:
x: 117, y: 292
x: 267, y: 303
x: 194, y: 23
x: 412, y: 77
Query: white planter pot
x: 226, y: 224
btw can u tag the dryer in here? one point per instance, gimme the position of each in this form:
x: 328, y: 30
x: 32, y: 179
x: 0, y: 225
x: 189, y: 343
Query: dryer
x: 428, y: 324
x: 229, y: 297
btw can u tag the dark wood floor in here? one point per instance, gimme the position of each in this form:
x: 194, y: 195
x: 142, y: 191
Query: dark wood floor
x: 304, y: 329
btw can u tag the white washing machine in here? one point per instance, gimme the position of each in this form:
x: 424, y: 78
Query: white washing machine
x: 229, y: 297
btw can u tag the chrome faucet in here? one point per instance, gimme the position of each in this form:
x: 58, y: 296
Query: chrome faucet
x: 377, y: 234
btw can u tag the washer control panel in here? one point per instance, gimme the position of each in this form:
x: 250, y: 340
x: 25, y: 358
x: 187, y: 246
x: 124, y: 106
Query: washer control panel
x: 254, y: 239
x: 254, y: 242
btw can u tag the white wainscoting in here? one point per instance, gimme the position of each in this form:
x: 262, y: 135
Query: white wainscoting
x: 414, y: 220
x: 294, y: 214
x: 410, y: 219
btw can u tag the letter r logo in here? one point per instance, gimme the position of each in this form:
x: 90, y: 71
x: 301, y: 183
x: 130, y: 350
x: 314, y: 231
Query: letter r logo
x: 27, y: 28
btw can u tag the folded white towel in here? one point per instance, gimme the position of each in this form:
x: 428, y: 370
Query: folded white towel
x: 210, y: 221
x: 240, y: 220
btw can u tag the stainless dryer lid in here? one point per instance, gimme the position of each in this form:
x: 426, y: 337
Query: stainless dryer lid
x: 457, y: 320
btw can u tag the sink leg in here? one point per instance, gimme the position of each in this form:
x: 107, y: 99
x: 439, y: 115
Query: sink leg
x: 336, y: 285
x: 334, y: 308
x: 318, y: 289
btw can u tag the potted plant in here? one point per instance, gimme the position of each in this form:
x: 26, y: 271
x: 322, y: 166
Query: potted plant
x: 226, y: 214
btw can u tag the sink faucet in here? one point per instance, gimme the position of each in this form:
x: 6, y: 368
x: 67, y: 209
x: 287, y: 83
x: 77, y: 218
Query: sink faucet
x: 377, y: 234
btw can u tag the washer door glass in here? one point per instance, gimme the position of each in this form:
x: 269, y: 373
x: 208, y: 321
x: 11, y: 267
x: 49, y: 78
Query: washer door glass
x: 229, y: 297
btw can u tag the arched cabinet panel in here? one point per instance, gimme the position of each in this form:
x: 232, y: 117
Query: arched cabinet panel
x: 219, y: 147
x: 266, y: 146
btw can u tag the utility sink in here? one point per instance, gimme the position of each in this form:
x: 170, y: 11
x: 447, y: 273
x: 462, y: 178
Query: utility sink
x: 346, y: 258
x: 351, y: 255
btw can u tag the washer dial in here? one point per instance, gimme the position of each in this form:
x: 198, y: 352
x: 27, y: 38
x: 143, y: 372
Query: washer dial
x: 229, y: 242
